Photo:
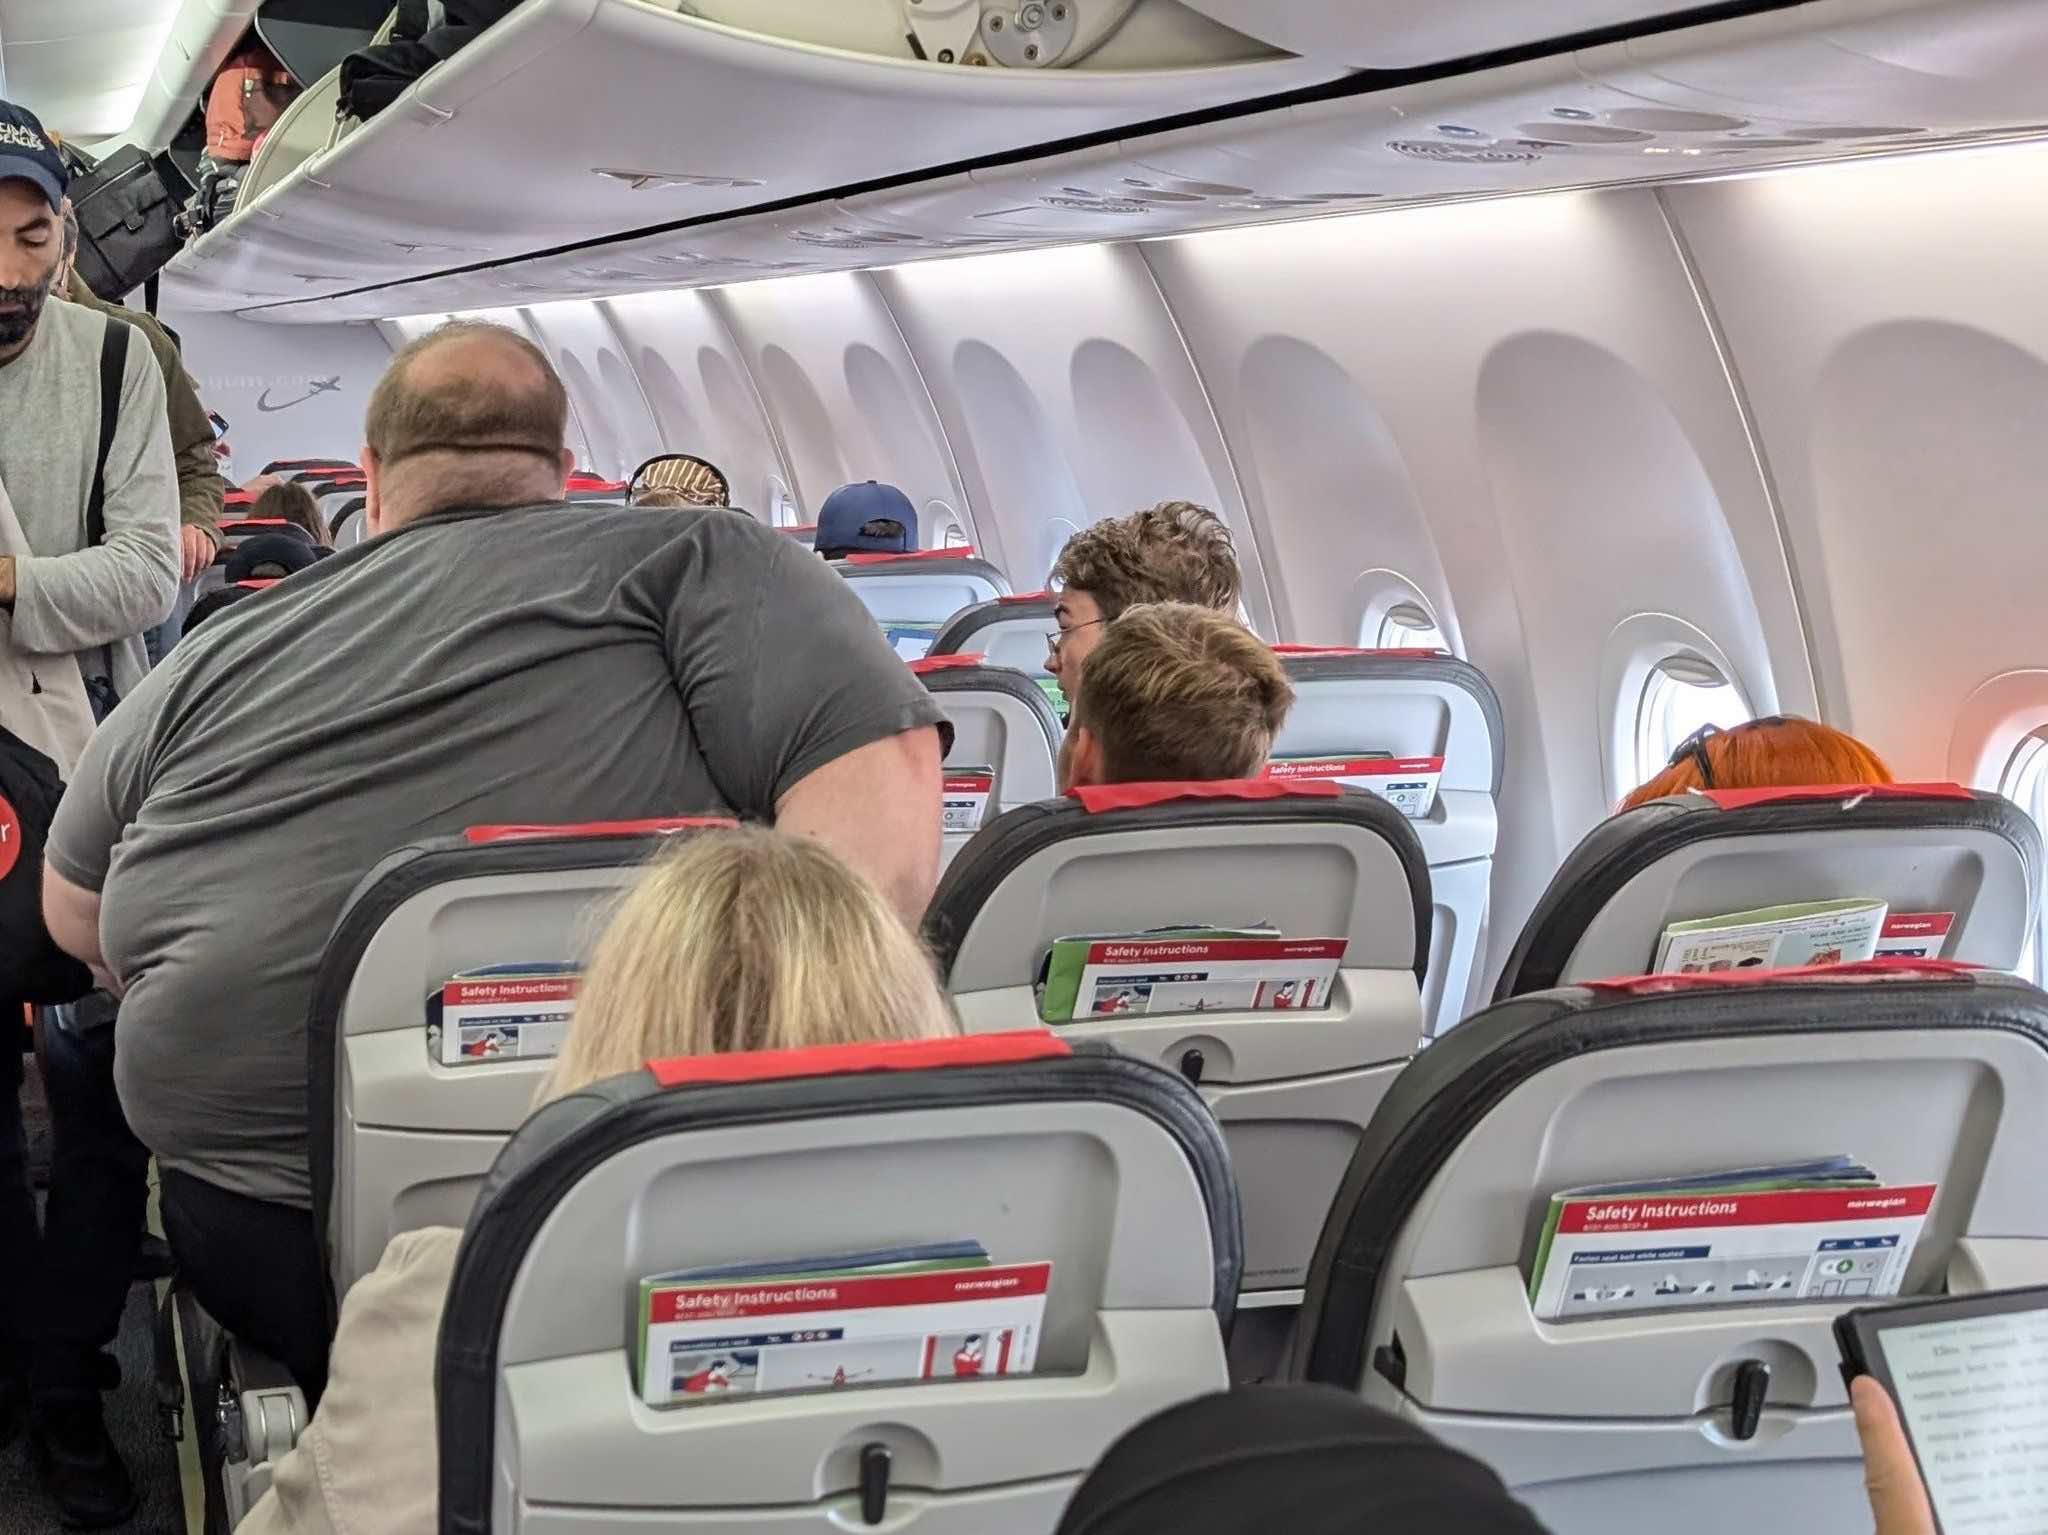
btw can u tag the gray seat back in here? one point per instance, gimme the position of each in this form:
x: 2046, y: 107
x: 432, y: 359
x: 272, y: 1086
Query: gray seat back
x: 398, y: 1140
x: 1009, y: 631
x: 1002, y: 721
x: 1930, y: 1073
x: 1417, y: 706
x: 1106, y: 1167
x: 914, y: 594
x: 1293, y: 1090
x: 1935, y: 849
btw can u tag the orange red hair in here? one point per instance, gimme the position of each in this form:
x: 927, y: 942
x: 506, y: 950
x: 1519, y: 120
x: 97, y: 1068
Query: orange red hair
x: 1783, y: 752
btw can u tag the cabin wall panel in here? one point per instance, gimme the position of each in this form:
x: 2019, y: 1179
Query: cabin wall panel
x: 1063, y: 384
x: 1885, y: 320
x: 844, y: 390
x: 287, y: 392
x: 1519, y: 406
x: 619, y: 430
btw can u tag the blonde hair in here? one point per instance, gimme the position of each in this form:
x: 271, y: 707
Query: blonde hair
x: 1177, y: 692
x: 746, y: 940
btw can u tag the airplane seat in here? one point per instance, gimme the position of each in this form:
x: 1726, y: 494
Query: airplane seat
x: 343, y: 510
x: 1380, y: 718
x: 1293, y: 1090
x: 913, y: 595
x: 1006, y: 741
x: 1969, y: 862
x: 351, y: 526
x: 397, y: 1138
x: 237, y: 530
x: 1420, y: 1296
x: 805, y: 534
x: 1010, y: 631
x: 306, y: 468
x: 595, y: 490
x: 1107, y: 1168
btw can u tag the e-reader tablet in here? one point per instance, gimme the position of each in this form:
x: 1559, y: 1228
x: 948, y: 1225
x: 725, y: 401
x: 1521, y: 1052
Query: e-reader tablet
x: 1970, y: 1376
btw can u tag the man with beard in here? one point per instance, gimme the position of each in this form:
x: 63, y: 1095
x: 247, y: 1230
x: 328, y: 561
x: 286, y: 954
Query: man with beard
x: 92, y: 563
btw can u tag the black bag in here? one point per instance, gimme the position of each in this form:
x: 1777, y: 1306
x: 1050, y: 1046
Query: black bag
x: 32, y: 967
x: 127, y: 222
x: 427, y: 34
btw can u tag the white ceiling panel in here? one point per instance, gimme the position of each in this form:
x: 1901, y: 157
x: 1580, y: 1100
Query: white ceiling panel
x: 81, y: 65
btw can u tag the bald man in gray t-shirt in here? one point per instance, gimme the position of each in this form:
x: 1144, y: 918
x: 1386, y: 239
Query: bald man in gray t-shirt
x: 537, y: 664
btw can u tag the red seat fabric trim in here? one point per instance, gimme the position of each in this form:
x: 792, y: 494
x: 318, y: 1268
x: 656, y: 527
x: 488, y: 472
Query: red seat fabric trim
x: 257, y: 583
x: 1018, y: 597
x: 1412, y: 653
x: 909, y: 555
x: 1096, y: 798
x: 947, y: 663
x: 1742, y: 799
x: 1867, y: 970
x: 483, y: 836
x: 800, y: 527
x: 235, y: 525
x: 840, y: 1060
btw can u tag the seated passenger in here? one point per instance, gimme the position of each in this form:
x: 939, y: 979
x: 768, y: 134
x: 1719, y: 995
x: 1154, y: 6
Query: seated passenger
x: 1173, y: 552
x: 1289, y: 1460
x: 731, y: 941
x: 692, y: 481
x: 1781, y: 751
x: 487, y: 659
x: 1175, y: 693
x: 293, y: 503
x: 868, y: 518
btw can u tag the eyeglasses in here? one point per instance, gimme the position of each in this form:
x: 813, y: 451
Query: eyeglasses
x: 1694, y: 746
x: 1058, y: 637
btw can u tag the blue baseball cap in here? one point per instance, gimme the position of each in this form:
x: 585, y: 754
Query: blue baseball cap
x: 847, y: 522
x: 29, y: 154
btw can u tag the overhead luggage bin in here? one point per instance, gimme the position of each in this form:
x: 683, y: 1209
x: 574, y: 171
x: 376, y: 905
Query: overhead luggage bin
x: 1105, y: 1167
x: 397, y: 1139
x: 1420, y: 1301
x: 1006, y: 741
x: 1934, y: 849
x: 1416, y: 705
x: 1406, y: 34
x: 768, y: 111
x: 1293, y: 1090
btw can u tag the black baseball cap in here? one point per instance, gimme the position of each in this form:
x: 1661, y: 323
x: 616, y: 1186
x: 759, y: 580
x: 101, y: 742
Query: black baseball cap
x: 29, y: 154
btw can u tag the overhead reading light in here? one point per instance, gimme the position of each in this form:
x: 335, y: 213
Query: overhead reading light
x: 640, y: 181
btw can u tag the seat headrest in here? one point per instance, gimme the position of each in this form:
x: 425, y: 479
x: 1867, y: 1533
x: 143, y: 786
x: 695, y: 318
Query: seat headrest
x: 909, y: 557
x: 1097, y: 798
x: 484, y: 836
x: 840, y: 1060
x: 1630, y: 845
x: 1471, y: 1070
x: 924, y: 666
x: 1325, y: 679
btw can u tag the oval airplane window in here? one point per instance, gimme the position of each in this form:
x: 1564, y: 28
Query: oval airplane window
x: 1409, y: 626
x: 2025, y: 783
x: 1682, y: 694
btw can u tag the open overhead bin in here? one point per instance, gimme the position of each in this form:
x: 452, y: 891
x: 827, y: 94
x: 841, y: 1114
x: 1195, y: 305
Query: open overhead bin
x: 576, y: 119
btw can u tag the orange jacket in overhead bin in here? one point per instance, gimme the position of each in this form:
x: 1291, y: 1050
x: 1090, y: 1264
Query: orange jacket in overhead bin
x: 248, y: 96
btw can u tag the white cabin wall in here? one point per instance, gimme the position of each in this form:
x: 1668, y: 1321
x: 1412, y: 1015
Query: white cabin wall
x: 261, y: 378
x: 1068, y: 396
x: 702, y: 398
x: 618, y: 426
x: 1519, y: 407
x: 833, y: 370
x: 1886, y: 321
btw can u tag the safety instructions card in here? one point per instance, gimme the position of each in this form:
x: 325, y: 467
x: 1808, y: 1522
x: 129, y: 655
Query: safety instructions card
x: 1664, y: 1251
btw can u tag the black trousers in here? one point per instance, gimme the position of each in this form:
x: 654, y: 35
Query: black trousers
x: 64, y: 1293
x: 20, y: 1241
x: 256, y: 1268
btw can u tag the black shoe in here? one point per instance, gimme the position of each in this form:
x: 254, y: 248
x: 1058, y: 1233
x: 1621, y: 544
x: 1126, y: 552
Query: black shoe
x: 152, y: 1260
x: 77, y: 1463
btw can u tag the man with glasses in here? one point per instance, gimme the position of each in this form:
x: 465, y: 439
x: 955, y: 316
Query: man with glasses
x: 494, y: 657
x: 1173, y: 552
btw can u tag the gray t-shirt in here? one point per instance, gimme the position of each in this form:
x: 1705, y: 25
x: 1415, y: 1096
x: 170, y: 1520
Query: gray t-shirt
x: 549, y: 664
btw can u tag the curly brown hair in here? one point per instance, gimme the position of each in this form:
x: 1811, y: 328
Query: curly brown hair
x: 1177, y: 692
x: 1173, y: 552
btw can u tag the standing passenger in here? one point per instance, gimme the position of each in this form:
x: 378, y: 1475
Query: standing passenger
x: 493, y: 657
x: 81, y: 603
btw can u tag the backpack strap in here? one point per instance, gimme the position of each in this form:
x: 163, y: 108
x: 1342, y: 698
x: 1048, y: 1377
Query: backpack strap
x: 113, y: 370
